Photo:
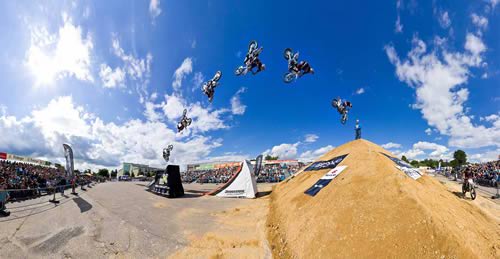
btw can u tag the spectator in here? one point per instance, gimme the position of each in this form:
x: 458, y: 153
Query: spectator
x: 4, y: 196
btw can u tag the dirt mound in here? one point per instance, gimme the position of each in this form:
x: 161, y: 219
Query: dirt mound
x: 373, y: 210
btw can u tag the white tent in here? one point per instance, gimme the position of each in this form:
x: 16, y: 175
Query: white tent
x: 242, y: 185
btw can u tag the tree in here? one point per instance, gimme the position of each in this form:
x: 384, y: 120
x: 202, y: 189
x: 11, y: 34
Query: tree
x: 269, y: 157
x: 114, y: 173
x: 414, y: 163
x: 103, y: 172
x: 405, y: 159
x: 460, y: 157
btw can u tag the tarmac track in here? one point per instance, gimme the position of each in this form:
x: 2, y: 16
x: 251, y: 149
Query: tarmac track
x: 113, y: 219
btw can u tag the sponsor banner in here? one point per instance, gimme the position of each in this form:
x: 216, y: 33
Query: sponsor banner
x: 405, y: 167
x: 3, y: 155
x: 258, y: 165
x: 24, y: 159
x: 332, y: 163
x: 271, y: 162
x: 68, y: 154
x: 225, y: 165
x: 325, y: 180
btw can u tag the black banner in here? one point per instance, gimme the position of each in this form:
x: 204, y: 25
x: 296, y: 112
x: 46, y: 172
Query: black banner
x: 258, y: 165
x: 332, y: 163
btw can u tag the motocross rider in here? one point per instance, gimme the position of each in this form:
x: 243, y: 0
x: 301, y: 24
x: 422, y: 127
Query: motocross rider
x: 252, y: 60
x: 295, y: 66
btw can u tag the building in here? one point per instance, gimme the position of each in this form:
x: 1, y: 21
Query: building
x: 132, y: 169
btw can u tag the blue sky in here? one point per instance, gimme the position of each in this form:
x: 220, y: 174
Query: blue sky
x: 112, y: 78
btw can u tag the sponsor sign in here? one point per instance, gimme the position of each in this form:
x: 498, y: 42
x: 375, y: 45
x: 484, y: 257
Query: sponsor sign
x: 24, y: 159
x: 405, y: 167
x: 68, y: 154
x: 325, y: 180
x: 332, y: 163
x: 258, y: 165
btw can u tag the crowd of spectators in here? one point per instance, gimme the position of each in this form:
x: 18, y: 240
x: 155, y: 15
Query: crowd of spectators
x: 270, y: 173
x: 216, y: 175
x: 30, y: 179
x: 273, y: 173
x: 486, y: 173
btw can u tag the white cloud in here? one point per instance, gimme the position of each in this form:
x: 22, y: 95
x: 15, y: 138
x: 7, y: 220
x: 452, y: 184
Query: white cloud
x: 428, y: 131
x: 360, y: 91
x: 181, y: 72
x: 391, y: 145
x: 439, y: 79
x: 444, y: 20
x: 474, y: 44
x: 284, y: 151
x: 487, y: 156
x: 420, y: 150
x: 203, y: 119
x: 131, y: 68
x: 236, y: 106
x: 198, y: 80
x: 64, y: 54
x: 95, y: 142
x: 154, y: 8
x: 311, y: 138
x: 314, y: 154
x: 173, y: 106
x: 112, y: 78
x: 480, y: 21
x: 398, y: 27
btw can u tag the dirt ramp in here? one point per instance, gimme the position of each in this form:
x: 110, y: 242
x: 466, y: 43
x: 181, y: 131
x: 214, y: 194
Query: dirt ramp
x: 373, y: 210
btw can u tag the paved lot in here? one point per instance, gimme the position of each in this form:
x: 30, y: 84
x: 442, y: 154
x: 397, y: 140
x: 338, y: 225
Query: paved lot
x: 118, y: 219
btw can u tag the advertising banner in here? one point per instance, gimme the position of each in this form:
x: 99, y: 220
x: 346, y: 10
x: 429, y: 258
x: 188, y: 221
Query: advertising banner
x: 332, y: 163
x: 408, y: 169
x: 24, y: 159
x: 258, y: 165
x: 68, y: 154
x: 325, y: 180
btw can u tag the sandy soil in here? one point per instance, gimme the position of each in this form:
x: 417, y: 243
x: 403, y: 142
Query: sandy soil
x: 373, y: 210
x: 240, y: 233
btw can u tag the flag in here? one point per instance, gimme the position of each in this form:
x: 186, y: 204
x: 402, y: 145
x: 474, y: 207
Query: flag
x: 68, y: 154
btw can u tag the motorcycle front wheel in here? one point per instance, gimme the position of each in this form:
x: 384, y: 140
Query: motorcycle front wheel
x: 287, y: 53
x: 239, y: 71
x: 288, y: 77
x: 252, y: 46
x: 473, y: 193
x: 218, y: 75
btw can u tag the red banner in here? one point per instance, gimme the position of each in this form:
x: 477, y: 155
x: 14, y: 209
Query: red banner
x: 3, y: 155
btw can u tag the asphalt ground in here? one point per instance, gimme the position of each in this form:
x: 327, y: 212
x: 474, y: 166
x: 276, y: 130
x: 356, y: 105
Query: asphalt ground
x: 114, y: 219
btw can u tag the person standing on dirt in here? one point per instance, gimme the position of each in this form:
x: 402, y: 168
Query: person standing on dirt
x: 357, y: 129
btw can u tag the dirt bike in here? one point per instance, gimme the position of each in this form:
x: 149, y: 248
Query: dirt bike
x: 469, y: 186
x: 184, y: 123
x: 337, y: 104
x: 209, y: 87
x: 295, y: 69
x: 166, y: 152
x: 252, y: 61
